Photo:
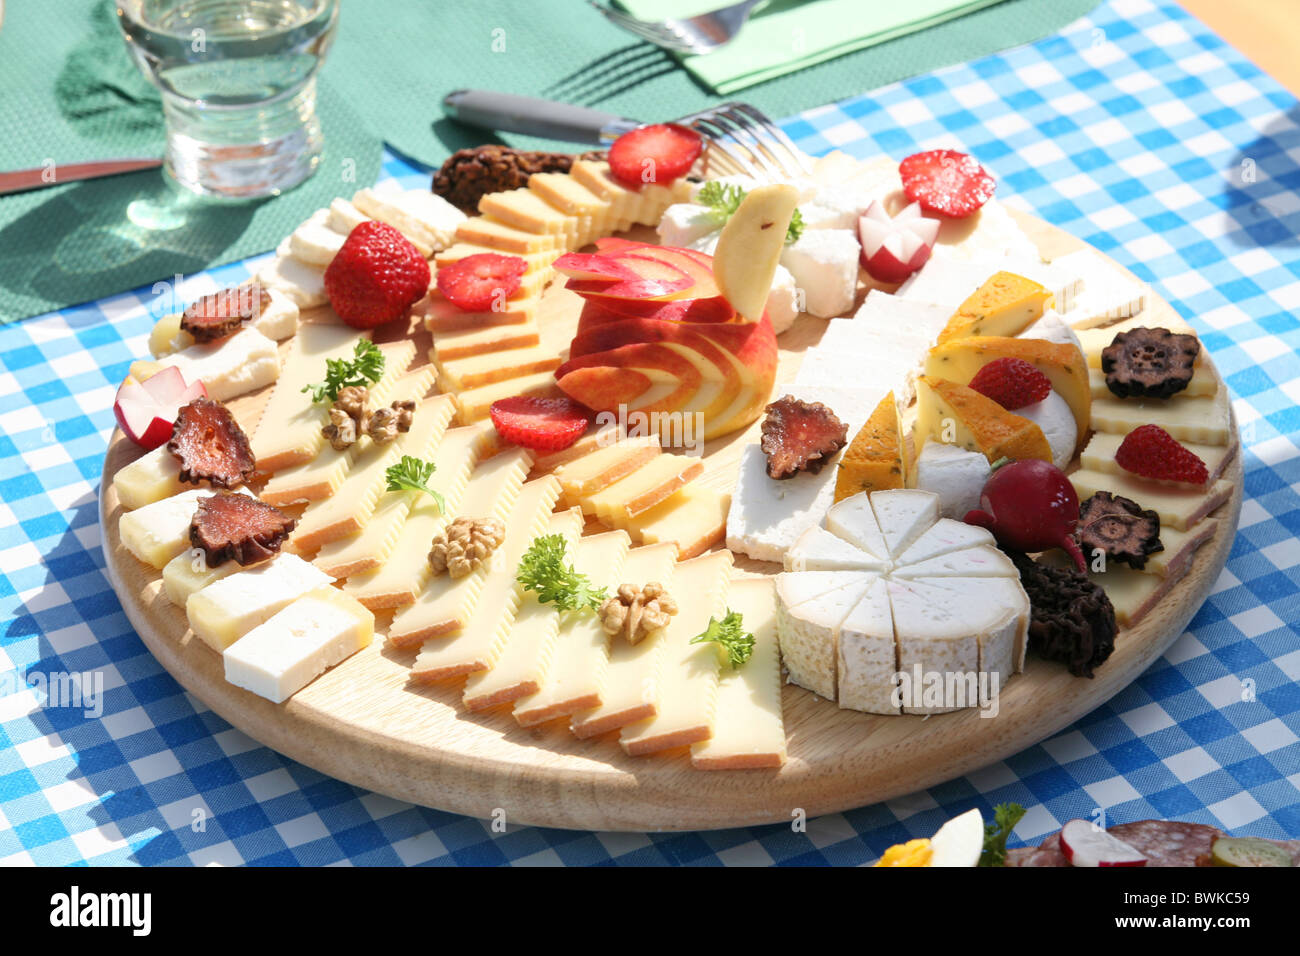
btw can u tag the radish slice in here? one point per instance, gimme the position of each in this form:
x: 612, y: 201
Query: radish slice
x: 1085, y: 845
x: 893, y: 247
x: 147, y: 410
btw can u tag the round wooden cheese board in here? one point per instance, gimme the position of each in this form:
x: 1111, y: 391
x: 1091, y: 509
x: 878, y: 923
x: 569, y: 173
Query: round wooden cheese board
x: 365, y: 723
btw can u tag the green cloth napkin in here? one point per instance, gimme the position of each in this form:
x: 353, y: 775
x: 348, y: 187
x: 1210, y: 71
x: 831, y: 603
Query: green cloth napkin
x: 69, y: 92
x: 782, y: 36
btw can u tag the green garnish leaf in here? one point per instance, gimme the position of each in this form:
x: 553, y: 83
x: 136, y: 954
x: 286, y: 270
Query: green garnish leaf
x: 412, y: 474
x: 730, y: 633
x: 723, y: 199
x: 546, y: 570
x: 365, y: 368
x: 1005, y: 818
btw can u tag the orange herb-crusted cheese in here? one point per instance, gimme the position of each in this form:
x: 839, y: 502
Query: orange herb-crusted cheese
x: 959, y: 415
x: 874, y: 459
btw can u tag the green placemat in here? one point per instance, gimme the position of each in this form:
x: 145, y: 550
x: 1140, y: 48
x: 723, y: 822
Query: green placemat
x: 69, y: 93
x: 562, y: 49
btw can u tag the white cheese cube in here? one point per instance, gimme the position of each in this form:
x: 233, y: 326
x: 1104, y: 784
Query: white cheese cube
x: 684, y: 223
x: 304, y: 284
x: 956, y: 475
x: 783, y: 301
x: 151, y: 477
x: 279, y: 318
x: 314, y: 243
x: 226, y: 610
x: 230, y: 367
x: 824, y: 263
x: 287, y: 652
x: 157, y: 532
x: 819, y: 216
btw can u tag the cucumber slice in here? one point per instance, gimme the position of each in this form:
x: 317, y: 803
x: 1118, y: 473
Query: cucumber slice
x: 1248, y: 851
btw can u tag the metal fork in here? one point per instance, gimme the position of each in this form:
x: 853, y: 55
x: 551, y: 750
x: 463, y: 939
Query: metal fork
x: 699, y: 34
x: 742, y: 140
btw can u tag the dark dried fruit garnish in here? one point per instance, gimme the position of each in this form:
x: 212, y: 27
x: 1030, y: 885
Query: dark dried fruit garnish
x: 210, y: 445
x: 1072, y: 620
x: 1120, y: 528
x: 1149, y: 363
x: 222, y: 313
x: 238, y: 527
x: 469, y: 174
x: 800, y: 436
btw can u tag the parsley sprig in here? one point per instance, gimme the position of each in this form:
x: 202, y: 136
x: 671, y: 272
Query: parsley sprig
x: 364, y: 368
x: 546, y: 570
x: 412, y: 474
x: 731, y: 636
x: 1005, y: 818
x: 723, y: 199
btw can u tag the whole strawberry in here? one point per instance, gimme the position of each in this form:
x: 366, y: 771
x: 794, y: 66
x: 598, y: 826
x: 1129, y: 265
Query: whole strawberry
x: 376, y: 276
x: 1012, y: 383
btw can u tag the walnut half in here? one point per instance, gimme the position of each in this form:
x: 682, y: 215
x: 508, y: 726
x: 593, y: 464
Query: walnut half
x: 636, y: 611
x: 465, y: 544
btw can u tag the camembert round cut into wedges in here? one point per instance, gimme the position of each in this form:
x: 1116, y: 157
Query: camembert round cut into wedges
x: 891, y: 609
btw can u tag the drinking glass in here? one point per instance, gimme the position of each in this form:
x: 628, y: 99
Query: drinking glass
x: 238, y: 85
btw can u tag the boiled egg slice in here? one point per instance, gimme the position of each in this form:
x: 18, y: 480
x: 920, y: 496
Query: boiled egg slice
x: 959, y: 841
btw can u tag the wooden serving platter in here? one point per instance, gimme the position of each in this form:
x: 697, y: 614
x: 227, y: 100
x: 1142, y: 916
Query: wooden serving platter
x: 363, y: 723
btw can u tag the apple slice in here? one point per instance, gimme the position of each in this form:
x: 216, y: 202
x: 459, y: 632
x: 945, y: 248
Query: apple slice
x: 750, y: 245
x: 1086, y: 845
x: 893, y: 247
x: 147, y: 410
x: 702, y: 272
x: 590, y: 266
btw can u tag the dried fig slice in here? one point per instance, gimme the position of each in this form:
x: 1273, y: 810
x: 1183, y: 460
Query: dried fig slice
x: 800, y: 436
x: 238, y: 527
x: 1120, y: 528
x: 1149, y: 363
x: 210, y: 445
x: 222, y: 313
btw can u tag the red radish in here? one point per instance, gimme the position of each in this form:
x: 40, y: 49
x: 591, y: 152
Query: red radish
x: 1086, y: 845
x: 1030, y: 505
x: 895, y: 247
x: 146, y: 410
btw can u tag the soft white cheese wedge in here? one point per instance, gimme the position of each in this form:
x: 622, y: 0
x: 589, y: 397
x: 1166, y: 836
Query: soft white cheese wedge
x: 304, y: 284
x: 943, y: 537
x: 684, y: 223
x: 296, y: 645
x: 229, y: 368
x: 819, y: 550
x: 1056, y: 420
x: 767, y: 516
x: 810, y: 628
x: 854, y: 520
x: 997, y: 608
x: 977, y: 562
x: 226, y: 610
x: 903, y: 514
x: 1108, y: 294
x: 956, y: 475
x: 824, y: 263
x: 1051, y: 328
x: 315, y: 242
x: 868, y: 657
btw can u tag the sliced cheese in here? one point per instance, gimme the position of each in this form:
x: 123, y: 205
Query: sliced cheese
x: 977, y: 562
x: 644, y: 488
x: 1179, y: 507
x: 605, y: 465
x: 867, y: 657
x: 151, y: 477
x: 227, y: 609
x: 1006, y: 304
x: 943, y: 537
x: 442, y: 605
x: 464, y: 343
x: 1204, y: 381
x: 228, y: 368
x: 189, y: 572
x: 157, y: 532
x: 490, y: 368
x: 693, y: 518
x: 1099, y: 455
x: 1204, y: 419
x: 1094, y: 341
x: 302, y: 283
x: 748, y: 727
x: 293, y: 647
x: 474, y: 403
x: 579, y: 657
x: 502, y: 237
x: 525, y: 209
x: 426, y: 219
x: 316, y: 242
x: 443, y: 317
x: 688, y: 688
x: 819, y: 550
x: 854, y: 520
x: 480, y: 643
x: 344, y: 217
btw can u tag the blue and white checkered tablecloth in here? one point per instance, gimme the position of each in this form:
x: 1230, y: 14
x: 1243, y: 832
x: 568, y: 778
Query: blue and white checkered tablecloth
x: 1137, y: 130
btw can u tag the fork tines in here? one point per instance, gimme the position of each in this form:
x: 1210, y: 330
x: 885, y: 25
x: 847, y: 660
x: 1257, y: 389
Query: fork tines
x: 742, y: 140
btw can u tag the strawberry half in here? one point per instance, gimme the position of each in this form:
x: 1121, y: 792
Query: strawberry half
x: 482, y: 282
x: 1012, y: 383
x: 376, y: 276
x: 1151, y: 452
x: 946, y: 181
x: 543, y: 424
x: 658, y: 153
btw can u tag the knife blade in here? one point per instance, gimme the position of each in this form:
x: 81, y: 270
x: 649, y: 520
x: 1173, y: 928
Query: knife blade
x: 22, y: 180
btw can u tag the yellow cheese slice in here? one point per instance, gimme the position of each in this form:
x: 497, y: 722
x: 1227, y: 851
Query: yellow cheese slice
x: 500, y: 237
x: 318, y: 479
x: 349, y: 508
x: 630, y: 692
x: 519, y: 670
x: 1203, y: 382
x: 645, y: 204
x: 525, y: 209
x: 289, y: 429
x: 441, y: 316
x: 579, y: 656
x: 1180, y: 548
x: 443, y: 604
x: 480, y: 642
x: 748, y: 728
x: 605, y: 465
x: 688, y: 686
x: 473, y: 403
x: 644, y: 488
x: 1006, y: 304
x: 151, y: 477
x: 1100, y: 453
x: 1179, y: 507
x: 157, y: 532
x: 475, y: 370
x: 1093, y: 341
x: 229, y: 608
x: 537, y: 261
x: 1203, y: 419
x: 189, y: 572
x: 569, y: 196
x: 455, y: 457
x: 693, y: 518
x: 478, y: 341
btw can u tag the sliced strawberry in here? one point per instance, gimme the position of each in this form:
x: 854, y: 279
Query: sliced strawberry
x: 654, y: 154
x: 482, y: 282
x: 1151, y: 452
x: 946, y: 181
x: 1012, y: 383
x: 543, y: 424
